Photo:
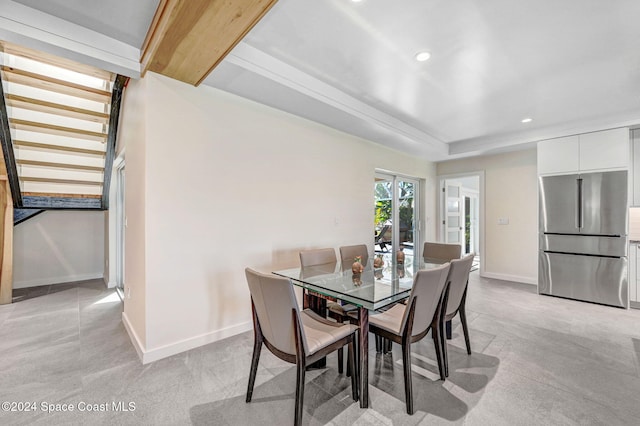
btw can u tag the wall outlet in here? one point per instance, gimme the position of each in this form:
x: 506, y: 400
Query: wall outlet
x: 503, y: 221
x: 128, y: 292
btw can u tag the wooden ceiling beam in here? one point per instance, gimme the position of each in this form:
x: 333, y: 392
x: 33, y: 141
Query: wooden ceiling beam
x: 189, y: 38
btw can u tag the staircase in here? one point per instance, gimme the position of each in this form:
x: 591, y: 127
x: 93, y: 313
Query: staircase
x: 58, y: 123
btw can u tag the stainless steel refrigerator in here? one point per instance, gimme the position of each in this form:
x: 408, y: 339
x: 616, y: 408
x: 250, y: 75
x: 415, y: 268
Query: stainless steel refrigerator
x: 583, y: 237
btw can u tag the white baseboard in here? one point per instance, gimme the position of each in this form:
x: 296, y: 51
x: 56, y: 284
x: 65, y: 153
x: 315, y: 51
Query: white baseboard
x: 151, y: 355
x: 109, y: 284
x: 135, y: 340
x: 514, y: 278
x: 57, y: 280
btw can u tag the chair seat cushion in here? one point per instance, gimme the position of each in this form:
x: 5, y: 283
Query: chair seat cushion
x: 339, y: 309
x: 320, y: 332
x: 389, y: 320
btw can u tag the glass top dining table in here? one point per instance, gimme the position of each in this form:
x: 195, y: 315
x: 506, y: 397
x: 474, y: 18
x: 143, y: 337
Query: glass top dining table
x: 372, y: 289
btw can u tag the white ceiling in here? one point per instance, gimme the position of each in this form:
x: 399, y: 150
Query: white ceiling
x: 571, y: 65
x: 125, y: 21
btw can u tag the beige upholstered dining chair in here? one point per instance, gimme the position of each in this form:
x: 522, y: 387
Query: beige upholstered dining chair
x: 459, y: 280
x: 298, y: 337
x: 441, y: 251
x: 406, y: 324
x: 349, y: 253
x: 319, y: 259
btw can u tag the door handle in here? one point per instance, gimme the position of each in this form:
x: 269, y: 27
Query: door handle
x: 579, y: 218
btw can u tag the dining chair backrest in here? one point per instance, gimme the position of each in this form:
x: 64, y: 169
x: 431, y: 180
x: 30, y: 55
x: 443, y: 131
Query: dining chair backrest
x: 274, y: 302
x: 349, y: 253
x: 441, y: 251
x: 317, y: 257
x: 458, y: 277
x: 427, y: 289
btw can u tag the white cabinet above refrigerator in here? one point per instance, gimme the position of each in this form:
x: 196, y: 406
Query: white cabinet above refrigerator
x: 604, y: 150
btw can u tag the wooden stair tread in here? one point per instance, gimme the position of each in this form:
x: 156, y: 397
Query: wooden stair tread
x: 59, y: 195
x: 39, y: 105
x: 51, y: 129
x: 59, y: 165
x: 56, y: 61
x: 64, y: 181
x: 14, y: 75
x: 53, y: 147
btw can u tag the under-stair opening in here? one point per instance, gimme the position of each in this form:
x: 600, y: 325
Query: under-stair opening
x: 62, y: 129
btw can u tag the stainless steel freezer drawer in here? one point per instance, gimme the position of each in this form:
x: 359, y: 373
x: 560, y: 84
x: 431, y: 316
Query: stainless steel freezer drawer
x: 589, y: 278
x: 584, y: 244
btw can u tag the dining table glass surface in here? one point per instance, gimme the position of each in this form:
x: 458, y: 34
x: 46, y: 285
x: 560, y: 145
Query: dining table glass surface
x: 371, y: 289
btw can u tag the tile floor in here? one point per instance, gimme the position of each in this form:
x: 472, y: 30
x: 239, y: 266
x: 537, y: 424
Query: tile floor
x: 537, y: 361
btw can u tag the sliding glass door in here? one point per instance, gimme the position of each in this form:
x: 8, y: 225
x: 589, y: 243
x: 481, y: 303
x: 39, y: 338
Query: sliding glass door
x: 396, y: 215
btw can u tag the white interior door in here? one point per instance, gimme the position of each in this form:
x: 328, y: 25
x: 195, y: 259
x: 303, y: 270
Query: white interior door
x: 454, y: 213
x: 471, y: 222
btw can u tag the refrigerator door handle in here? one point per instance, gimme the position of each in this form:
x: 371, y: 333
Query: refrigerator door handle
x: 579, y: 215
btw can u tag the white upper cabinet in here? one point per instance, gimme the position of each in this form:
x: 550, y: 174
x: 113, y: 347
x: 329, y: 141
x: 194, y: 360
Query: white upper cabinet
x: 635, y: 158
x: 605, y: 150
x: 558, y: 155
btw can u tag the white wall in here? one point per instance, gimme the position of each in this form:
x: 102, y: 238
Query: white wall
x: 57, y: 247
x: 230, y: 183
x: 510, y: 251
x: 132, y: 136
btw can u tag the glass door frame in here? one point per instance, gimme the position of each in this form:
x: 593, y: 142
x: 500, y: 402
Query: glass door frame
x: 395, y: 178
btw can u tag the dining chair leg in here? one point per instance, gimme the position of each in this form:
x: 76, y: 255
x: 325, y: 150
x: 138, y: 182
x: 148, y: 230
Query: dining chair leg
x: 437, y: 342
x: 408, y: 390
x: 340, y: 360
x: 257, y: 348
x: 301, y: 368
x: 355, y: 348
x: 443, y: 345
x: 465, y: 330
x: 378, y: 344
x: 348, y: 363
x: 352, y: 367
x: 389, y: 345
x: 386, y: 345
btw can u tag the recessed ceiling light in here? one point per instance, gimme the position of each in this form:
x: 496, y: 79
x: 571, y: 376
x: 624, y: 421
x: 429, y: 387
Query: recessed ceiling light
x: 527, y: 120
x: 422, y: 56
x: 356, y: 1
